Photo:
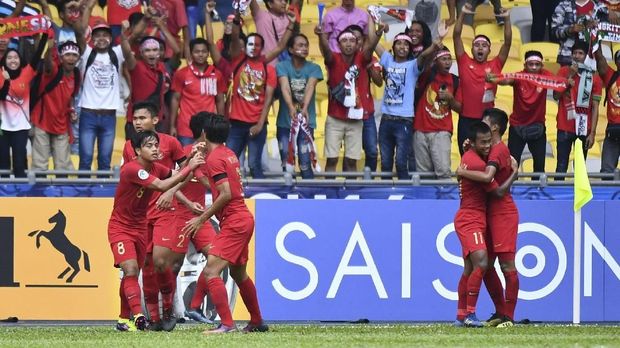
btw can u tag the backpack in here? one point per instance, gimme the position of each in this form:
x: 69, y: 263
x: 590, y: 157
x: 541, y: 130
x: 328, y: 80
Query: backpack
x: 93, y: 54
x: 421, y: 88
x: 36, y: 97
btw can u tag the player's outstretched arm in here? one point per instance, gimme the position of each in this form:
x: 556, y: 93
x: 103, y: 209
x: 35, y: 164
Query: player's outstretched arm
x: 177, y: 177
x: 224, y: 197
x: 475, y: 175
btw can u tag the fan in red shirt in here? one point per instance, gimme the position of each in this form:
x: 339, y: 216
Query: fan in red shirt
x: 127, y: 229
x: 176, y: 21
x: 470, y: 223
x: 196, y: 87
x: 611, y: 144
x: 158, y: 274
x: 120, y: 10
x: 502, y: 222
x: 230, y: 246
x: 475, y: 94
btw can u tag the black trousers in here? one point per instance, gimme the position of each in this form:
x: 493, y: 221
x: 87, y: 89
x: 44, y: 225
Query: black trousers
x: 13, y: 151
x: 537, y: 147
x: 542, y: 11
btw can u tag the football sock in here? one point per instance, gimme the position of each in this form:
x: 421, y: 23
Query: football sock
x: 131, y: 288
x: 151, y: 292
x: 247, y: 290
x: 125, y: 310
x: 473, y: 289
x: 200, y: 292
x: 165, y: 281
x: 495, y: 289
x: 512, y: 292
x: 461, y: 308
x: 217, y: 289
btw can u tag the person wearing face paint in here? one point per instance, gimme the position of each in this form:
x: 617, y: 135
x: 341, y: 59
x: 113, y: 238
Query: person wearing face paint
x: 577, y: 106
x: 474, y: 94
x: 272, y: 23
x: 100, y: 94
x: 348, y: 84
x: 53, y: 113
x: 15, y: 118
x: 611, y: 143
x: 339, y: 18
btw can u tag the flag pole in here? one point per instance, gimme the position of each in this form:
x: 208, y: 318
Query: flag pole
x: 577, y: 269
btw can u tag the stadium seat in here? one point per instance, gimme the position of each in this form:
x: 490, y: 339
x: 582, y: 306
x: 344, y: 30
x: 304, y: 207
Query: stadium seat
x: 467, y: 34
x: 218, y: 30
x: 484, y: 14
x: 365, y: 3
x: 513, y: 65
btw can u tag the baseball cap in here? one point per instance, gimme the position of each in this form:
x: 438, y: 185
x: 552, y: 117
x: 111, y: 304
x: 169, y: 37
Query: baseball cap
x: 100, y: 23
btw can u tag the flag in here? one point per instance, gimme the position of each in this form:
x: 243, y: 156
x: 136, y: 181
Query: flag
x: 583, y: 191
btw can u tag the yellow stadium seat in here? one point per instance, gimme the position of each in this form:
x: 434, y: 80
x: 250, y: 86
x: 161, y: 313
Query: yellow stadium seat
x: 549, y: 50
x: 467, y: 34
x: 484, y: 14
x: 98, y: 11
x: 496, y: 33
x: 513, y: 65
x: 365, y: 3
x: 310, y: 14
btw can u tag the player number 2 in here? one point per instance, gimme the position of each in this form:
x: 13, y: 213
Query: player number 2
x: 182, y: 239
x: 478, y: 238
x: 120, y: 247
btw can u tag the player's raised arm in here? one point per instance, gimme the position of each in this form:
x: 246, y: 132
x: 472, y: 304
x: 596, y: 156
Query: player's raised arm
x: 459, y: 49
x: 222, y: 199
x: 505, y: 49
x: 177, y: 177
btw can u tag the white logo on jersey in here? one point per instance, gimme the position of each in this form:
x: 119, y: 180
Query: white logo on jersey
x: 143, y: 174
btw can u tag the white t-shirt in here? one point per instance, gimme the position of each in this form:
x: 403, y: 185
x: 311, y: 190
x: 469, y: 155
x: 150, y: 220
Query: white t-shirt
x: 101, y: 86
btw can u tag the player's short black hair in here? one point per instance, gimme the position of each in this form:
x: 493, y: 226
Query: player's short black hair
x: 533, y: 53
x: 197, y: 41
x: 140, y: 138
x: 197, y: 123
x: 62, y: 5
x: 580, y: 45
x: 354, y: 27
x: 216, y: 128
x: 145, y: 104
x: 476, y: 128
x: 497, y: 117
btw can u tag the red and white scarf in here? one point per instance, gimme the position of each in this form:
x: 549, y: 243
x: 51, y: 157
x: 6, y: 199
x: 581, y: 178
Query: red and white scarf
x: 300, y: 127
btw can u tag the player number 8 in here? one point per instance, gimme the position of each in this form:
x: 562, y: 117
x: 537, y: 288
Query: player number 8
x: 120, y: 247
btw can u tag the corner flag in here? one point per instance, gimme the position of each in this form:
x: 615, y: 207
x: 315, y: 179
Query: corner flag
x: 583, y: 191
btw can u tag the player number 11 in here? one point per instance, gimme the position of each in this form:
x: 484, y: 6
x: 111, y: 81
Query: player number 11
x: 478, y: 238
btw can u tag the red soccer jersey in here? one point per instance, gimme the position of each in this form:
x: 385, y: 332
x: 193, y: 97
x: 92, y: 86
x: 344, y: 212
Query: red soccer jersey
x: 222, y: 165
x: 196, y: 94
x: 131, y: 200
x: 120, y: 10
x: 176, y: 18
x: 585, y: 9
x: 194, y: 190
x: 249, y: 87
x: 144, y: 80
x: 51, y: 113
x: 530, y: 102
x: 336, y: 71
x: 474, y: 194
x: 499, y: 157
x: 564, y: 123
x: 431, y: 115
x: 613, y: 97
x: 472, y: 77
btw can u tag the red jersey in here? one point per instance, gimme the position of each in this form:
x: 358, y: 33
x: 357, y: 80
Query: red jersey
x: 176, y: 18
x: 474, y: 194
x: 249, y: 87
x: 499, y: 157
x: 51, y: 113
x: 222, y: 165
x: 336, y: 71
x: 194, y: 190
x: 144, y: 82
x: 431, y: 114
x: 472, y: 75
x: 120, y: 10
x: 564, y: 124
x: 585, y: 9
x: 197, y: 93
x: 132, y: 198
x: 530, y: 102
x: 613, y: 97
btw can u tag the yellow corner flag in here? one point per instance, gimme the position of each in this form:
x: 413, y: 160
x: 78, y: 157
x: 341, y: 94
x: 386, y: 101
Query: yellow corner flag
x: 583, y: 191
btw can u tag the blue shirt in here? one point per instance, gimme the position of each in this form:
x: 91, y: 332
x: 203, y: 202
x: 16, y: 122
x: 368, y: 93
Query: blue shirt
x: 400, y: 81
x: 297, y: 80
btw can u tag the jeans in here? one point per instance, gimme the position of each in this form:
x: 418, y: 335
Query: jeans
x: 462, y: 131
x: 564, y: 147
x: 239, y: 137
x: 14, y: 142
x: 303, y: 155
x: 100, y: 127
x: 192, y: 20
x: 75, y: 129
x: 185, y: 140
x: 395, y: 135
x: 369, y: 143
x: 611, y: 152
x: 538, y: 148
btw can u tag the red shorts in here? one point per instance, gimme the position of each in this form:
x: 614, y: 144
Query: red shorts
x: 128, y: 249
x: 161, y: 229
x: 503, y: 228
x: 231, y: 244
x: 470, y: 226
x: 178, y: 242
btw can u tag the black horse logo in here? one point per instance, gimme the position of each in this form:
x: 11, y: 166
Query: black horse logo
x: 60, y: 242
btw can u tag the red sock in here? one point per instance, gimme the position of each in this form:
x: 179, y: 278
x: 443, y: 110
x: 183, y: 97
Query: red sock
x: 165, y: 280
x: 131, y: 288
x: 217, y: 289
x: 151, y: 291
x: 125, y: 310
x: 495, y: 289
x: 473, y: 289
x: 461, y: 308
x: 247, y: 290
x: 200, y: 292
x: 512, y: 292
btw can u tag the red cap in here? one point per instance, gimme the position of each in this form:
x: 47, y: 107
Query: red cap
x: 99, y: 23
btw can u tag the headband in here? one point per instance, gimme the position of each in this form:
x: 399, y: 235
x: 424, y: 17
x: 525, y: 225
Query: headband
x: 346, y: 35
x: 442, y: 54
x: 67, y: 49
x: 403, y: 37
x: 149, y: 44
x: 480, y: 38
x: 534, y: 59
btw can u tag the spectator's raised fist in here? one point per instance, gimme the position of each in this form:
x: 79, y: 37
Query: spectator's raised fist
x: 503, y: 13
x: 442, y: 29
x: 318, y: 30
x: 291, y: 16
x: 5, y: 74
x: 468, y: 8
x: 125, y: 25
x: 210, y: 6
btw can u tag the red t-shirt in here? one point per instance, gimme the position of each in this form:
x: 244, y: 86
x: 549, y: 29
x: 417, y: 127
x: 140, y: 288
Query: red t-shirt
x: 613, y: 97
x: 530, y: 102
x: 144, y: 80
x: 176, y: 18
x: 499, y: 157
x: 564, y: 123
x: 131, y: 200
x: 474, y: 194
x: 431, y: 115
x: 472, y: 77
x: 222, y: 165
x: 249, y: 88
x: 194, y: 190
x: 196, y: 94
x: 120, y: 10
x: 51, y: 113
x: 585, y: 9
x: 336, y: 71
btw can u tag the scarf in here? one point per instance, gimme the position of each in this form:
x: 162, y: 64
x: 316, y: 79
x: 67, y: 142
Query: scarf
x: 547, y: 82
x: 351, y: 99
x: 300, y: 127
x: 578, y: 110
x: 208, y: 85
x: 402, y: 14
x: 241, y: 5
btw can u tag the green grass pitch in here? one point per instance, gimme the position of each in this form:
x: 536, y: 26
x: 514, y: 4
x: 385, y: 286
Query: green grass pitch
x: 370, y: 335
